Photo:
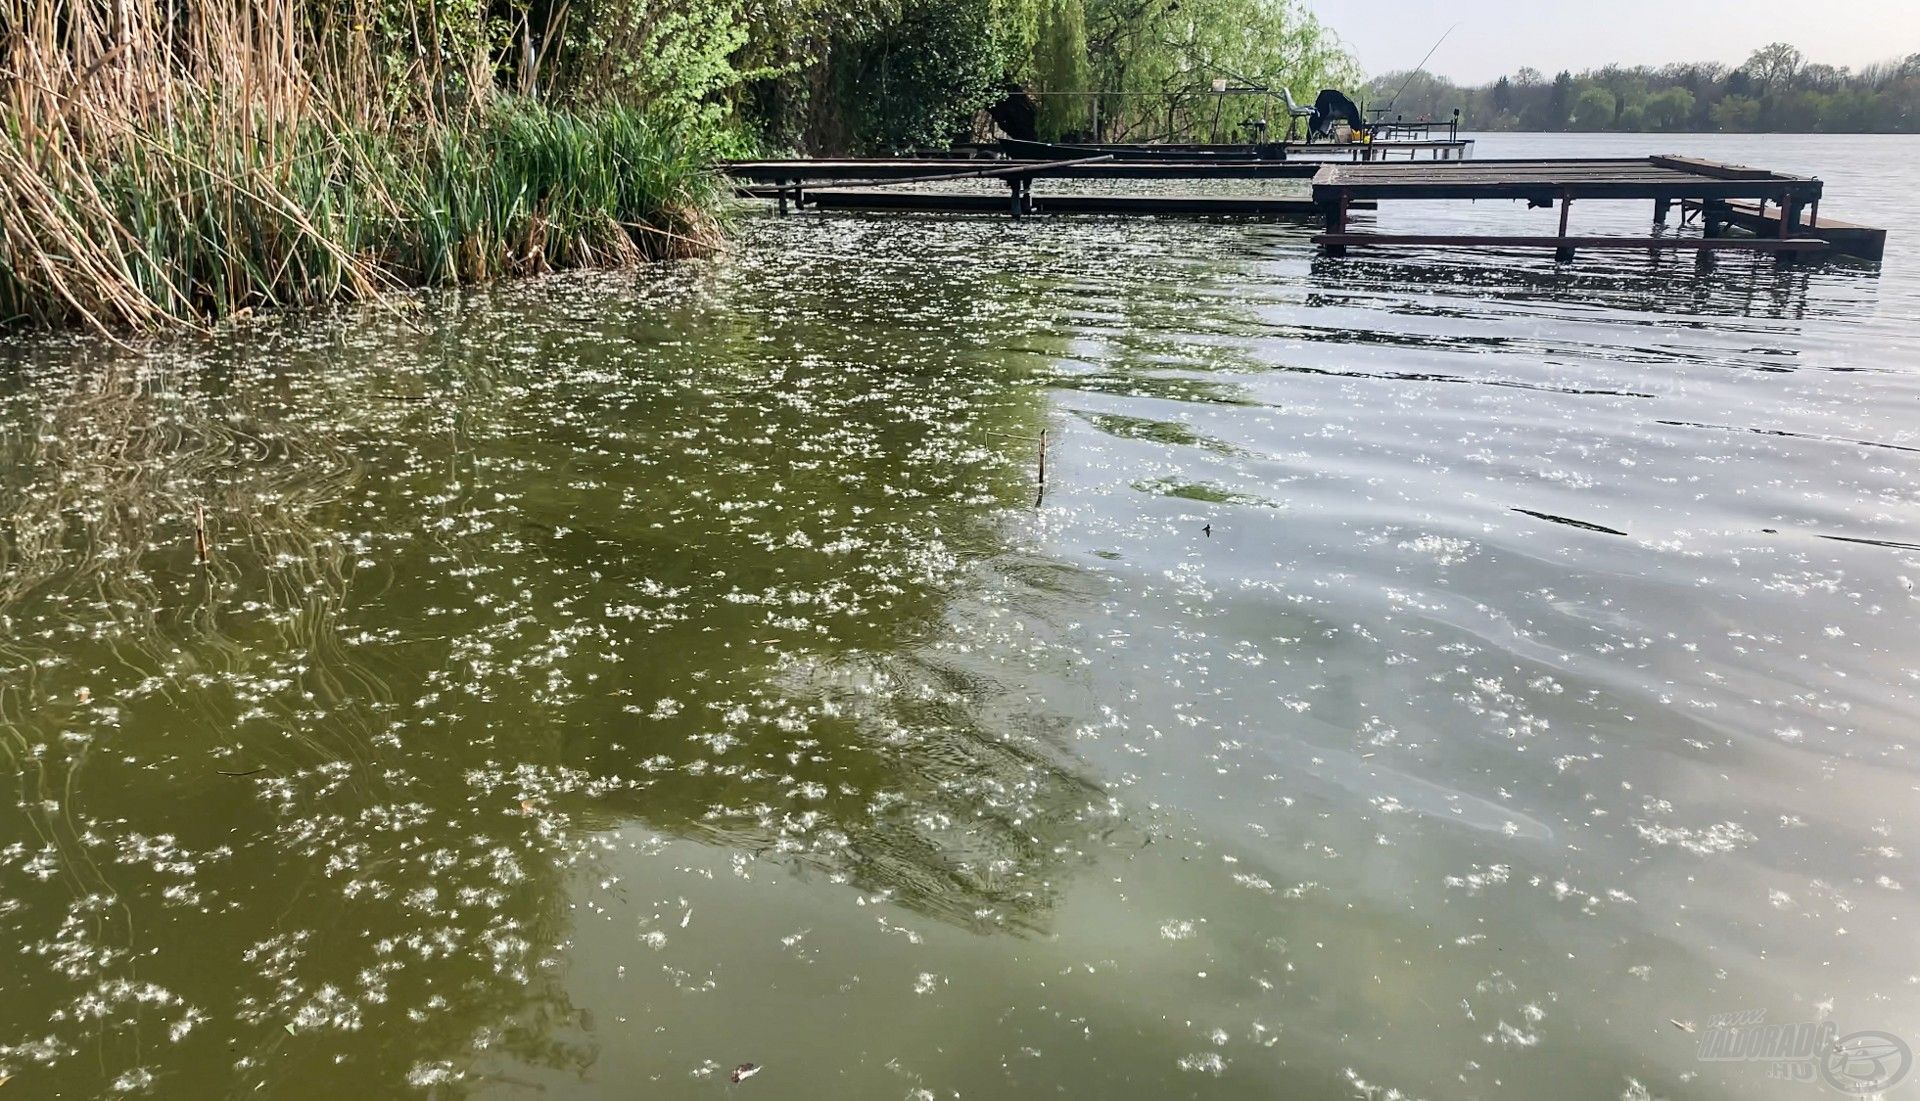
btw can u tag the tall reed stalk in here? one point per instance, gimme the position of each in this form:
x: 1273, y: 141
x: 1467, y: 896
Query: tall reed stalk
x: 175, y: 161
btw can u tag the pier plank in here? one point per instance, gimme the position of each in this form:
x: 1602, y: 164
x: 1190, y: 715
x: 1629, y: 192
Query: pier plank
x: 1547, y: 180
x: 1265, y: 206
x: 835, y: 171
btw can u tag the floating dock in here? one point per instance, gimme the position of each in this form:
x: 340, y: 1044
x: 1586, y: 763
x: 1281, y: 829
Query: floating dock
x: 1780, y: 211
x: 1864, y: 242
x: 1661, y: 180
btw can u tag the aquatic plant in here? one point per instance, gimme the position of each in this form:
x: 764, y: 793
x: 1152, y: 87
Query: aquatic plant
x: 185, y: 165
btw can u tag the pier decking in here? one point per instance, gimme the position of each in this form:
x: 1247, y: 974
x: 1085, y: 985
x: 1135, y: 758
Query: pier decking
x: 1090, y: 167
x: 1782, y: 211
x: 1662, y: 180
x: 790, y: 179
x: 987, y: 202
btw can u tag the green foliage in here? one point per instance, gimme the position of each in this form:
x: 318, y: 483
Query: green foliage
x: 1736, y: 114
x: 1153, y: 61
x: 896, y: 74
x: 676, y: 58
x: 1667, y: 109
x: 191, y: 221
x: 920, y: 80
x: 1059, y: 67
x: 1560, y: 100
x: 1431, y: 94
x: 1593, y: 110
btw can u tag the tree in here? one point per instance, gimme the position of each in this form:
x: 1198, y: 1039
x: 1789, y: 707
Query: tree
x: 1821, y: 78
x: 1593, y: 110
x: 1737, y: 114
x: 920, y: 81
x: 1152, y: 59
x: 1059, y: 67
x: 1668, y: 109
x: 1772, y: 67
x: 1560, y: 100
x: 677, y: 58
x: 1414, y: 95
x: 1502, y: 95
x: 1774, y: 90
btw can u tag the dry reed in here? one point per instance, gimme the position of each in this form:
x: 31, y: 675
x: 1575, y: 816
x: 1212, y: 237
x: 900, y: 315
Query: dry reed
x: 176, y: 161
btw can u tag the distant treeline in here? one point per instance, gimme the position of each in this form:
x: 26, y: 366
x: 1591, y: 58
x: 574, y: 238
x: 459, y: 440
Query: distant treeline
x: 1775, y: 90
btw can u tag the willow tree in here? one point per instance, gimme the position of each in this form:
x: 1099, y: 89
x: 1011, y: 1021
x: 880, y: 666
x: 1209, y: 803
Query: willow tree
x: 1155, y: 61
x: 1058, y: 73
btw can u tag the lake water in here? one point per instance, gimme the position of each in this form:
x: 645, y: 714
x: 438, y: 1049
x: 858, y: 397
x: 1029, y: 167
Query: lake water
x: 1420, y: 675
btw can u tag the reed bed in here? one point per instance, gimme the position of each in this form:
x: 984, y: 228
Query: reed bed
x: 167, y: 162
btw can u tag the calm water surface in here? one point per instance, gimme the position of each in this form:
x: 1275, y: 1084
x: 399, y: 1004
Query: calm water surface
x: 1424, y: 676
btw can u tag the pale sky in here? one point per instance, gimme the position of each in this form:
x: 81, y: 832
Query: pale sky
x: 1499, y: 36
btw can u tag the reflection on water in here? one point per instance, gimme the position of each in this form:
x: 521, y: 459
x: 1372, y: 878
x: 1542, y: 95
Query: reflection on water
x: 482, y: 588
x: 1422, y: 675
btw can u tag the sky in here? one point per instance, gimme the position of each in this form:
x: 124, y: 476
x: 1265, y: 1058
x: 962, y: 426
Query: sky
x: 1495, y: 37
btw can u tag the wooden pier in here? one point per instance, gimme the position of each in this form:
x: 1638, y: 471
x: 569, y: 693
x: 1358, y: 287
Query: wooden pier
x: 1663, y: 181
x: 1846, y: 238
x: 793, y: 180
x: 1297, y: 207
x: 1780, y: 211
x: 1092, y: 166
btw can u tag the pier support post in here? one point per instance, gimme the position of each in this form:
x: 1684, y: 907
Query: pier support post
x: 1564, y: 253
x: 1660, y: 208
x: 781, y: 187
x: 1789, y: 221
x: 1713, y: 218
x: 1334, y: 214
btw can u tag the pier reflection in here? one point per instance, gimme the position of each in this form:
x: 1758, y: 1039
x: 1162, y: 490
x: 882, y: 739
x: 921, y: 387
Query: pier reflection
x: 1650, y: 283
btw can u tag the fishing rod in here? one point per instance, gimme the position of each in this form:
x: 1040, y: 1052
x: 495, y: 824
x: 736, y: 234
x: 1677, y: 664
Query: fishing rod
x: 1417, y: 68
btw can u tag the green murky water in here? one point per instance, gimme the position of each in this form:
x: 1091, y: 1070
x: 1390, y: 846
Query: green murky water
x: 1420, y: 677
